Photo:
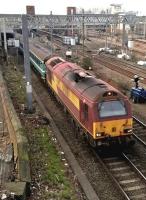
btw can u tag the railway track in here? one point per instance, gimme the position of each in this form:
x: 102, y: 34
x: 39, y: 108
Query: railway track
x: 128, y: 191
x: 125, y: 169
x: 139, y: 131
x: 121, y: 67
x: 128, y: 64
x: 125, y: 174
x: 140, y: 47
x: 79, y: 147
x: 130, y: 181
x: 84, y: 183
x: 127, y: 69
x: 138, y: 50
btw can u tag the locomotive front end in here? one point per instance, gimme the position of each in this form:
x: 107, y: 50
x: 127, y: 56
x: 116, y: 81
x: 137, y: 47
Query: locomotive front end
x: 114, y: 119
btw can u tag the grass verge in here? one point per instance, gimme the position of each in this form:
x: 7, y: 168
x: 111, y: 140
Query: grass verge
x: 48, y: 172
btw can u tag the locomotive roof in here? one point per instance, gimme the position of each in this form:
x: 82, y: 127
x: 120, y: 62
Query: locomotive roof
x: 83, y: 82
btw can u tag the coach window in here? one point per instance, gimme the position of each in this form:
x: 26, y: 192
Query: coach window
x: 85, y: 110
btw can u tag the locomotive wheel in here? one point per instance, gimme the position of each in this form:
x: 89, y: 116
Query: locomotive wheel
x: 65, y: 110
x: 75, y: 127
x: 131, y: 143
x: 92, y: 142
x: 72, y: 122
x: 123, y: 142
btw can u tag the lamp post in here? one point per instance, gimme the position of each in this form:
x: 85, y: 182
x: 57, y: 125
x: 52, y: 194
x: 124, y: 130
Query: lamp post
x: 83, y: 30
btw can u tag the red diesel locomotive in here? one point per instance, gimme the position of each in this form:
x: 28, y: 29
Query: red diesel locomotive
x: 97, y: 109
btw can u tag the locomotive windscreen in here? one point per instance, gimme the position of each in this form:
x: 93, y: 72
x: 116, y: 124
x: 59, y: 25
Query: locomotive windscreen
x: 111, y: 108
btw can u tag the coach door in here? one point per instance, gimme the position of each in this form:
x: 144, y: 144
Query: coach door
x: 85, y: 114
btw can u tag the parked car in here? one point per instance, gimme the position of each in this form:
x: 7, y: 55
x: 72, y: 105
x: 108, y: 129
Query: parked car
x: 106, y: 50
x: 123, y: 56
x: 141, y: 63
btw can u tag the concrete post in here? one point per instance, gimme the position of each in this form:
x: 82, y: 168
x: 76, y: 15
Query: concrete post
x: 5, y: 41
x: 83, y: 31
x: 27, y: 62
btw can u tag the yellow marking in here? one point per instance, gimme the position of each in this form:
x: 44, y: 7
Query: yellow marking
x: 112, y: 128
x: 63, y: 88
x: 56, y: 83
x: 75, y: 101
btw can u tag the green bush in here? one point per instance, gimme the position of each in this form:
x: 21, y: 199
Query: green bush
x: 87, y: 63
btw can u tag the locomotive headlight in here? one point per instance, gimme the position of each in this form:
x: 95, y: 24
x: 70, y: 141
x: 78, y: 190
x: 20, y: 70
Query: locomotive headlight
x: 127, y: 130
x: 109, y: 93
x: 98, y: 134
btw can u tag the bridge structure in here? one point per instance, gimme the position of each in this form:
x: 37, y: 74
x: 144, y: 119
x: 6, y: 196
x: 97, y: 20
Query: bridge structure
x: 68, y: 21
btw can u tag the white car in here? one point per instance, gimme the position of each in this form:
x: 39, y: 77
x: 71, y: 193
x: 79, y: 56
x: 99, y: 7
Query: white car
x: 124, y: 56
x: 103, y: 49
x: 106, y: 50
x: 141, y: 62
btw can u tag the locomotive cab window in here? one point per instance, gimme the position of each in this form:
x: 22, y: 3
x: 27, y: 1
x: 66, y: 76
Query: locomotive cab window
x: 85, y: 111
x: 111, y: 108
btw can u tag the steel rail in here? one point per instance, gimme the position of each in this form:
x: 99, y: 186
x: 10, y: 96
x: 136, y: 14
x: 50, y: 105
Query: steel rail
x: 111, y: 175
x: 134, y: 167
x: 140, y: 122
x: 135, y: 136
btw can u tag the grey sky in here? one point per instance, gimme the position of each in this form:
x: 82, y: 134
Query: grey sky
x: 59, y: 6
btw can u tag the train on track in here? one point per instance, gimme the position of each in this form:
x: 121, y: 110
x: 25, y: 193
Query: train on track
x: 98, y: 111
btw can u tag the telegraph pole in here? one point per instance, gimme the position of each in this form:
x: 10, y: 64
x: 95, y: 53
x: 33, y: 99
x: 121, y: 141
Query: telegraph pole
x: 51, y: 36
x: 83, y: 31
x: 144, y: 30
x: 106, y: 43
x: 123, y: 35
x: 5, y: 41
x: 72, y: 30
x: 27, y: 63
